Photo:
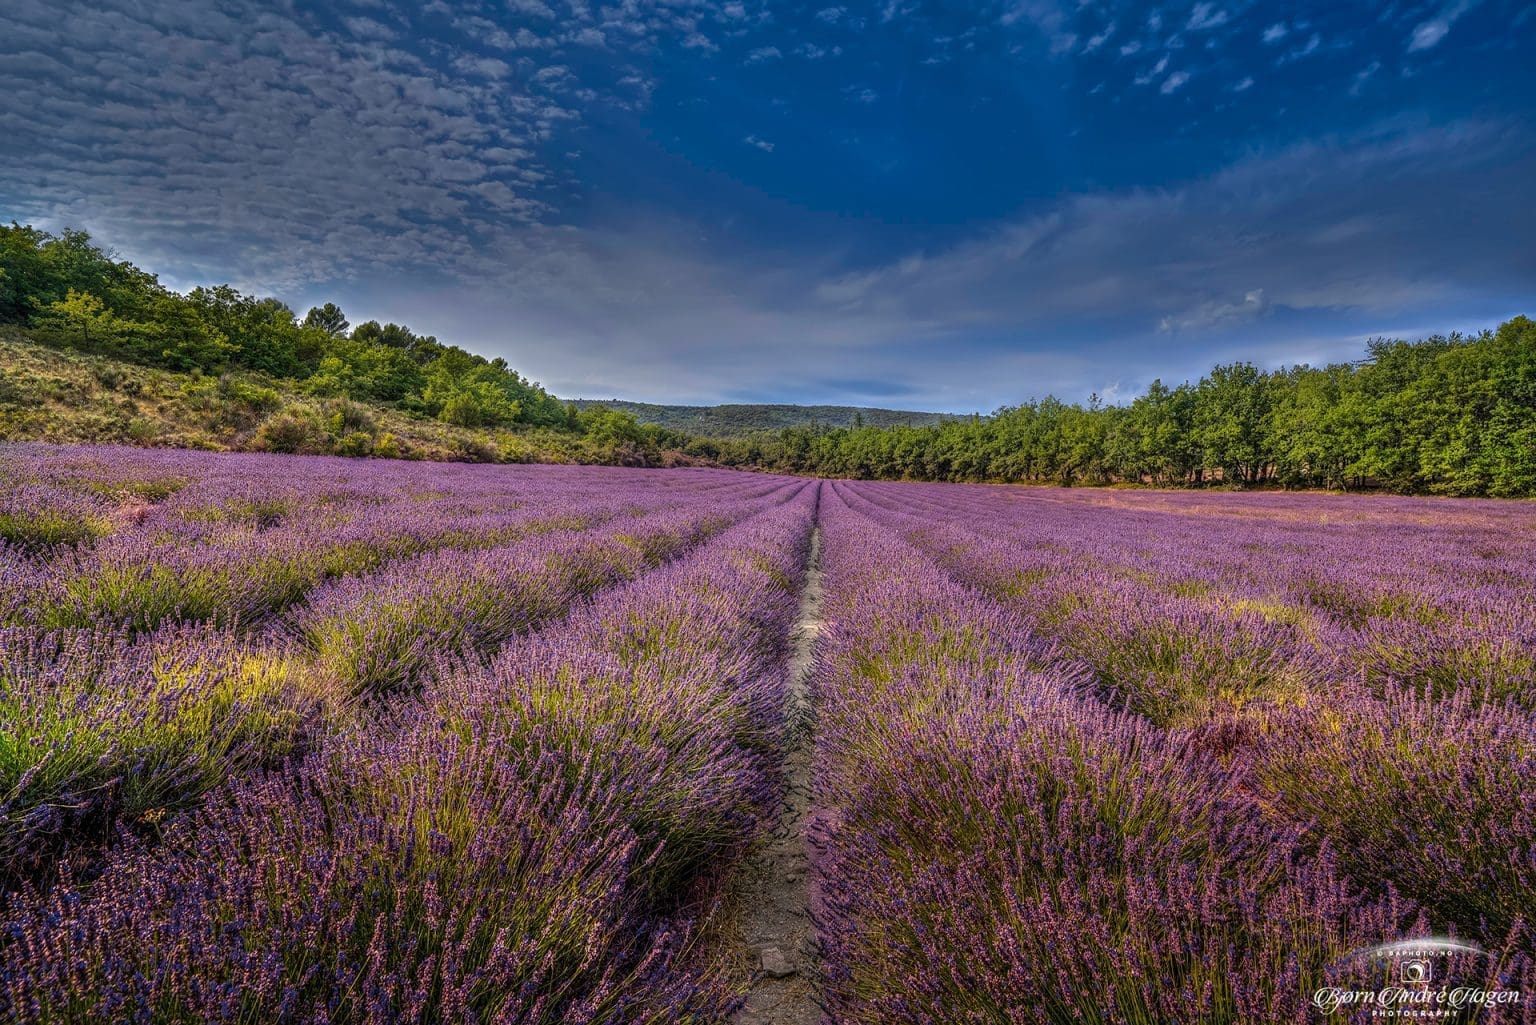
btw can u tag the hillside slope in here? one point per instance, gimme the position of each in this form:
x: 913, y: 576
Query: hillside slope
x: 733, y: 420
x: 53, y: 395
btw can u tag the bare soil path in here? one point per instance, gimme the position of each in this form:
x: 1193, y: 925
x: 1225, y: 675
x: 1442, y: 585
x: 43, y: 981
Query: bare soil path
x: 773, y: 895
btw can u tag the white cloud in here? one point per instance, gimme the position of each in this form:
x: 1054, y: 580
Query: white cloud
x: 1217, y: 313
x: 1307, y: 49
x: 1173, y: 82
x: 537, y: 8
x: 367, y: 28
x: 764, y: 53
x: 1362, y: 76
x: 588, y: 36
x: 1276, y: 32
x: 1427, y: 34
x: 810, y: 51
x: 1050, y: 18
x: 762, y: 144
x: 1094, y: 42
x: 1243, y: 84
x: 1206, y: 16
x: 488, y: 67
x: 528, y: 40
x: 1157, y: 70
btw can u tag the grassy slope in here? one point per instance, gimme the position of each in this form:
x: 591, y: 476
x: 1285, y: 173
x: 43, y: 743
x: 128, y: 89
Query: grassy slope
x: 66, y: 397
x: 733, y: 420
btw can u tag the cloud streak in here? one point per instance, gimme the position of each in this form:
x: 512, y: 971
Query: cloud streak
x: 1428, y: 34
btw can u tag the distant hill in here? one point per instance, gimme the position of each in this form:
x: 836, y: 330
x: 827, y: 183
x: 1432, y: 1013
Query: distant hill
x: 734, y: 420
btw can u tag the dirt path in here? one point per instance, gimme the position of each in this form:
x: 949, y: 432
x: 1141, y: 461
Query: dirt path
x: 773, y: 897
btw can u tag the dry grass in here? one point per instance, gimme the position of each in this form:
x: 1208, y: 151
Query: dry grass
x: 64, y: 397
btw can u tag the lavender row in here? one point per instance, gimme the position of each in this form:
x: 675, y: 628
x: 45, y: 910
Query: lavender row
x: 999, y: 848
x: 1415, y: 592
x: 240, y: 538
x: 380, y: 632
x: 522, y: 847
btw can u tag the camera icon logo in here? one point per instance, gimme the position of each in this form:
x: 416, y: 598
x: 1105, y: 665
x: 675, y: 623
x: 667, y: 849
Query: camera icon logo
x: 1416, y: 971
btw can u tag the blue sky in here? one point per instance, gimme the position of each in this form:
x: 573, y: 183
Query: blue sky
x: 927, y: 205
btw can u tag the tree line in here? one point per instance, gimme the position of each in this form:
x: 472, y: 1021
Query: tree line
x: 1451, y: 415
x: 730, y: 420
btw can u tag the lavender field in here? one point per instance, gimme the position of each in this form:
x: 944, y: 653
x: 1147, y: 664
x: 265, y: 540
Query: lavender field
x: 304, y: 739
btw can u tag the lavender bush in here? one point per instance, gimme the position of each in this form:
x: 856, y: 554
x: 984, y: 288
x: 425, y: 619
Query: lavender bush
x: 100, y: 727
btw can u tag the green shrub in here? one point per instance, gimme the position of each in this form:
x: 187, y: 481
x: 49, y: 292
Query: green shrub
x: 38, y: 531
x: 387, y: 446
x: 354, y: 443
x: 473, y: 450
x: 295, y: 431
x: 343, y: 417
x: 253, y: 396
